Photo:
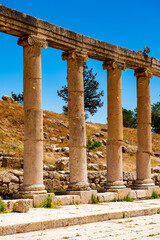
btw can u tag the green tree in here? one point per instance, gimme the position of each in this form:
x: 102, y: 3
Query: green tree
x: 155, y: 108
x: 18, y: 98
x: 129, y: 118
x: 92, y: 98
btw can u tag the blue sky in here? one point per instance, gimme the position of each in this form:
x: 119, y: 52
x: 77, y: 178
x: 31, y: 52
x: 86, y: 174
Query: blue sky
x: 130, y: 24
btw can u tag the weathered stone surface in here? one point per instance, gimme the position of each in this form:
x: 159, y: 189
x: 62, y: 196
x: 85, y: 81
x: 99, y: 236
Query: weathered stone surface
x: 102, y: 167
x: 141, y: 193
x: 13, y: 188
x: 48, y: 184
x: 51, y: 168
x: 67, y: 199
x: 12, y: 162
x: 21, y: 206
x: 14, y: 178
x: 66, y: 151
x: 62, y: 163
x: 38, y: 199
x: 106, y: 196
x: 99, y: 154
x: 93, y: 167
x: 17, y: 173
x: 7, y: 98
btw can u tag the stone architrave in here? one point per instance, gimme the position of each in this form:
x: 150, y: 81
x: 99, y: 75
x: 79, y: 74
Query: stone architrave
x: 144, y: 136
x: 77, y: 128
x: 115, y: 125
x: 33, y: 115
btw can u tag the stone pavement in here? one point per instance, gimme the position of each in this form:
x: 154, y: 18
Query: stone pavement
x: 145, y: 227
x: 42, y: 219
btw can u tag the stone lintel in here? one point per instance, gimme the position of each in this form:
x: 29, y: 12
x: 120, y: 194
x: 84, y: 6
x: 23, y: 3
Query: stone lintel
x: 75, y: 54
x: 19, y: 24
x: 32, y: 40
x: 143, y: 73
x: 111, y: 64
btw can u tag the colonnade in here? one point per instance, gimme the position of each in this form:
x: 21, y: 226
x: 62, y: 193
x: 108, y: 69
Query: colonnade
x: 33, y: 121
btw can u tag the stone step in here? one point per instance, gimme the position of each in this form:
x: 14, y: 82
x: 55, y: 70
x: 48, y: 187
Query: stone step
x: 40, y: 219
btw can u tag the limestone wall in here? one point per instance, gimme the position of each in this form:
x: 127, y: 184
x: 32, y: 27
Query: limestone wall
x: 11, y: 180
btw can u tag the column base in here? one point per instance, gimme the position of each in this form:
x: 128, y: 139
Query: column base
x: 143, y: 184
x: 30, y: 190
x: 81, y: 186
x: 114, y: 186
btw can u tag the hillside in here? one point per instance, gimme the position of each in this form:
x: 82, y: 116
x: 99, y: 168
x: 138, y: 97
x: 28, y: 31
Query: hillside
x: 56, y: 136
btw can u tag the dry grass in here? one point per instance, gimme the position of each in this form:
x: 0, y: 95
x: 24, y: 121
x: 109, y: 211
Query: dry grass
x: 12, y: 132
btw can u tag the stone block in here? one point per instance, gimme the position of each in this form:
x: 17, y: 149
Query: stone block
x: 9, y: 205
x: 151, y: 189
x: 106, y: 196
x: 16, y: 172
x: 48, y: 183
x: 62, y: 163
x: 86, y: 196
x: 6, y: 177
x: 11, y: 162
x: 102, y: 167
x: 14, y: 178
x: 38, y: 199
x: 123, y: 192
x: 13, y: 188
x: 21, y: 206
x: 141, y: 193
x: 92, y: 167
x: 133, y: 194
x: 67, y: 199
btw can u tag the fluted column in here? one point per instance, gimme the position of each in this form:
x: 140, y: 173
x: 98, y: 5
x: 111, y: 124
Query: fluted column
x: 144, y: 135
x: 33, y: 115
x: 77, y: 128
x: 115, y: 125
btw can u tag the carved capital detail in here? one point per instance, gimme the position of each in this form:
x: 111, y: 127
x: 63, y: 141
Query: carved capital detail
x: 74, y: 54
x: 111, y: 64
x: 32, y: 40
x: 143, y: 73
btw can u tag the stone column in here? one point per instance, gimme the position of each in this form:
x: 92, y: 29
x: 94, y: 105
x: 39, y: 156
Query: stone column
x: 144, y: 136
x: 33, y: 115
x: 77, y: 128
x: 115, y: 125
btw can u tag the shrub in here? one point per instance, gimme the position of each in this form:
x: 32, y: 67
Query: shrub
x: 2, y: 206
x: 95, y: 200
x: 91, y: 145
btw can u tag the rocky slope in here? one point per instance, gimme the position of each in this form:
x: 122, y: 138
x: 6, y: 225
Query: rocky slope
x: 56, y: 138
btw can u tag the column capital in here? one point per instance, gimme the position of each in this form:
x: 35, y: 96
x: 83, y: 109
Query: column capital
x: 111, y: 64
x: 75, y: 54
x: 32, y: 40
x: 143, y: 73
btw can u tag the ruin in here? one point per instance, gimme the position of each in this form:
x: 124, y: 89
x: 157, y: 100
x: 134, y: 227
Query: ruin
x: 33, y: 34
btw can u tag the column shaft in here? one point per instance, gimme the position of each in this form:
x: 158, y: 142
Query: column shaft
x: 77, y: 128
x: 33, y: 117
x: 144, y: 137
x: 115, y: 127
